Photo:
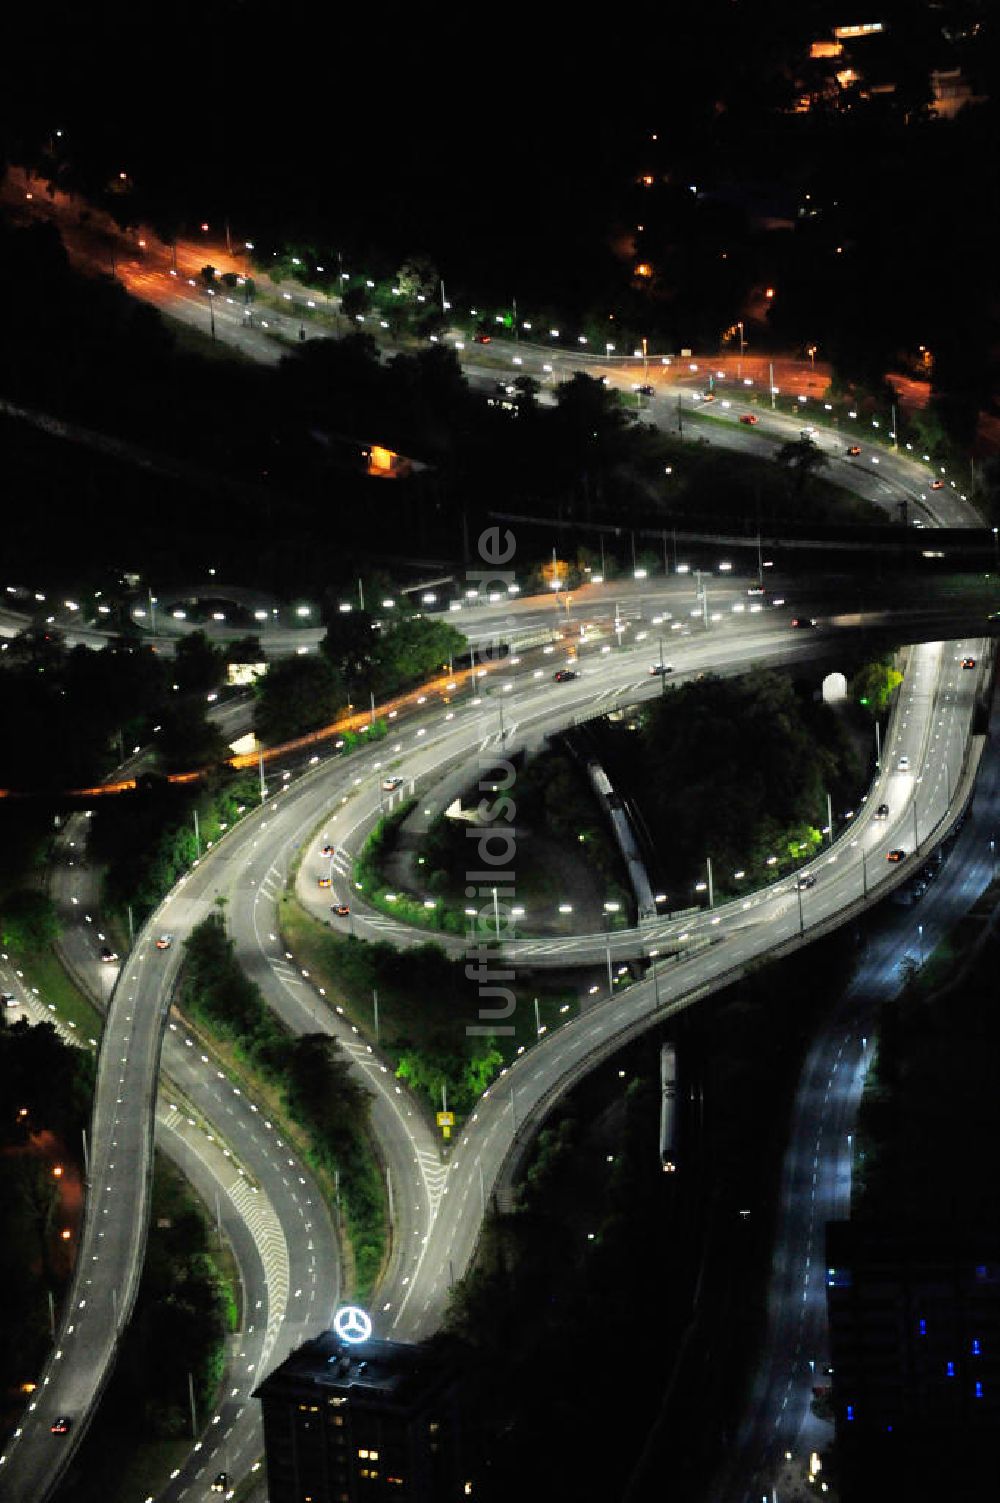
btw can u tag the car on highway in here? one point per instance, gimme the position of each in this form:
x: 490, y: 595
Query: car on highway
x: 882, y: 812
x: 854, y: 451
x: 937, y: 485
x: 8, y: 999
x: 896, y: 855
x: 221, y: 1482
x: 326, y: 850
x: 563, y: 675
x: 968, y: 662
x: 389, y: 785
x: 904, y: 763
x: 325, y: 882
x: 708, y: 396
x: 646, y: 391
x: 108, y: 955
x: 483, y: 338
x: 661, y: 669
x: 806, y: 881
x: 803, y: 622
x: 756, y: 588
x: 807, y: 432
x: 340, y: 909
x: 748, y: 417
x: 164, y: 941
x: 61, y: 1424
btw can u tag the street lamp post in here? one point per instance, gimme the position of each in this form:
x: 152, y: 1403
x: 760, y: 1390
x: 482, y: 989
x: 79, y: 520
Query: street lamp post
x: 739, y: 363
x: 798, y: 894
x: 609, y: 909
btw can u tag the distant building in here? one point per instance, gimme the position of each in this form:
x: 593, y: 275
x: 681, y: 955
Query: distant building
x: 386, y: 464
x: 369, y: 1420
x: 915, y: 1346
x: 951, y: 91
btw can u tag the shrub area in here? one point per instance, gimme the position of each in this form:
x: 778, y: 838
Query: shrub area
x: 308, y: 1071
x: 425, y: 1001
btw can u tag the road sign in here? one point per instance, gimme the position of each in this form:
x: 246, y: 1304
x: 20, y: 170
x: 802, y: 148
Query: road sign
x: 352, y: 1324
x: 446, y: 1121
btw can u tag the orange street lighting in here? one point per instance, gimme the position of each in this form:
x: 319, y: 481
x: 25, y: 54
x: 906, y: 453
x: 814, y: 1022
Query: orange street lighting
x: 57, y: 1170
x: 65, y: 1234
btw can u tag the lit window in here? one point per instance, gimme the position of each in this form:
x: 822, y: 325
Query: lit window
x: 363, y: 1455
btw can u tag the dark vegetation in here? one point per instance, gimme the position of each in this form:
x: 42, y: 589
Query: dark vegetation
x: 566, y: 851
x: 544, y: 1305
x: 185, y: 1307
x: 735, y: 769
x: 930, y: 1117
x: 362, y: 656
x: 78, y: 711
x: 308, y: 1071
x: 145, y: 841
x: 45, y: 1097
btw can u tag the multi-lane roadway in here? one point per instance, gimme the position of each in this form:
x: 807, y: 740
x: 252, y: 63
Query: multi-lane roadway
x: 432, y: 1241
x: 437, y: 1204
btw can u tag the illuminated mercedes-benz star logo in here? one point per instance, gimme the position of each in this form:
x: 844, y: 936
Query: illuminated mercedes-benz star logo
x: 351, y: 1323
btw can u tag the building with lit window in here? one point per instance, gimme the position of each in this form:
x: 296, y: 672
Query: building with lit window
x: 914, y: 1318
x: 368, y: 1420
